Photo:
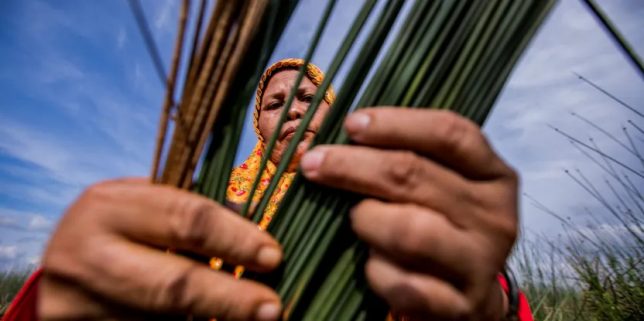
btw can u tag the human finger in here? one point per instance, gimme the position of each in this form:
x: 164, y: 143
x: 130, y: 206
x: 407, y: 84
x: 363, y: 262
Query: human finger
x: 415, y: 237
x: 397, y: 176
x: 441, y: 135
x: 415, y: 295
x: 61, y: 299
x: 149, y: 280
x: 168, y: 217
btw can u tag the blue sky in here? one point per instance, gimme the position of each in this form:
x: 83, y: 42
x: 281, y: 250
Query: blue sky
x: 80, y: 103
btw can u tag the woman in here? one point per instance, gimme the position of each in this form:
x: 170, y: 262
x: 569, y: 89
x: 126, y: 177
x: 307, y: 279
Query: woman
x: 272, y: 93
x: 440, y: 214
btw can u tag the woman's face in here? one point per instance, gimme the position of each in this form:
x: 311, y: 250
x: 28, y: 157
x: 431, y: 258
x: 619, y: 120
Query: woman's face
x: 273, y: 102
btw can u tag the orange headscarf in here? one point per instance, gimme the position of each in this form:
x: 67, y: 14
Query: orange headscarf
x: 243, y: 176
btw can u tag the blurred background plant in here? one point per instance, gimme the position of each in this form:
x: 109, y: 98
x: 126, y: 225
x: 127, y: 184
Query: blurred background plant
x: 595, y: 269
x: 10, y: 283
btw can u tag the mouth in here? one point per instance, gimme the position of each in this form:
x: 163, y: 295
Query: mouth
x: 290, y: 131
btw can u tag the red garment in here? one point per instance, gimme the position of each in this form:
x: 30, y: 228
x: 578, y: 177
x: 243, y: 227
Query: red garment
x: 23, y: 306
x: 525, y: 314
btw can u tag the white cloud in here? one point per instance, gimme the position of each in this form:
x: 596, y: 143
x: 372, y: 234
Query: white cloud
x: 613, y: 231
x: 102, y: 122
x: 32, y: 260
x: 19, y: 256
x: 34, y: 147
x: 22, y: 237
x: 543, y: 91
x: 8, y: 252
x: 69, y: 167
x: 40, y: 223
x: 9, y: 222
x: 24, y: 221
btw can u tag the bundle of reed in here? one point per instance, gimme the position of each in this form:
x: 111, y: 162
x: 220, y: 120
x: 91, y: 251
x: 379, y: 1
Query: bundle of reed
x: 449, y: 54
x: 219, y: 66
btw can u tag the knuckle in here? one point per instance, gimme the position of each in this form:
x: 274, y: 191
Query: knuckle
x: 56, y: 262
x: 509, y: 230
x: 457, y: 131
x: 469, y: 195
x: 365, y: 206
x: 190, y: 221
x: 93, y: 202
x: 172, y: 293
x: 464, y: 311
x: 512, y: 176
x: 68, y: 261
x: 405, y: 296
x: 333, y: 163
x: 405, y: 238
x: 404, y: 173
x: 97, y: 190
x: 504, y: 172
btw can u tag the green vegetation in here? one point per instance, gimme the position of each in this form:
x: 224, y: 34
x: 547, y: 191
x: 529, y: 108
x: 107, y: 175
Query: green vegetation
x: 10, y: 283
x: 595, y: 271
x: 587, y: 280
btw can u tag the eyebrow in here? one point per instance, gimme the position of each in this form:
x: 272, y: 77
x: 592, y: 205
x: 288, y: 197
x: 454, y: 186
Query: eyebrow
x: 281, y: 95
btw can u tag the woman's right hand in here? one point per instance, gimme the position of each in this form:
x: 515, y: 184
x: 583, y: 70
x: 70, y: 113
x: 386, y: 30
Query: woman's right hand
x: 107, y: 258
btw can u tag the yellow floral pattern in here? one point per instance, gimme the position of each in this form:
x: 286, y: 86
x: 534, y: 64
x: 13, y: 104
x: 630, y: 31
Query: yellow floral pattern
x: 243, y: 177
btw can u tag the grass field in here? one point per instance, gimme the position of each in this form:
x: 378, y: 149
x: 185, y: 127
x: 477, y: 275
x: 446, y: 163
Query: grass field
x: 603, y: 281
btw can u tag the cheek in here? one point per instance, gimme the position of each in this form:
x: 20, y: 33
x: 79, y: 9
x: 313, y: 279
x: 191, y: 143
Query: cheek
x: 322, y: 111
x: 266, y: 124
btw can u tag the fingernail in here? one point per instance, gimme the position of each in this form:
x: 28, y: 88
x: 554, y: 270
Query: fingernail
x: 357, y: 122
x: 268, y: 312
x: 312, y: 161
x: 269, y: 256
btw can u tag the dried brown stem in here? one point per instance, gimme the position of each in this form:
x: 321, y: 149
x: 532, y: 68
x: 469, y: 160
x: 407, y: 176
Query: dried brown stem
x: 169, y: 96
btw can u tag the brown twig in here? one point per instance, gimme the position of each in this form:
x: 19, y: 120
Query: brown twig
x: 248, y: 28
x: 169, y: 96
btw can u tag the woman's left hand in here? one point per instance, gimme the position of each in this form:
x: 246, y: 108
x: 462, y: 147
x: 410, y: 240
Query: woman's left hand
x: 440, y: 213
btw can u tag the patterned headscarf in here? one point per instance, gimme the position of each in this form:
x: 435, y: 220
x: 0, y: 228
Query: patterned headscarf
x: 243, y: 176
x: 312, y: 72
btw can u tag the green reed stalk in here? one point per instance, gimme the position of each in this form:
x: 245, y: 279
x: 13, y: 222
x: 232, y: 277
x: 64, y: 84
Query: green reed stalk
x: 610, y: 28
x: 439, y: 57
x: 447, y: 54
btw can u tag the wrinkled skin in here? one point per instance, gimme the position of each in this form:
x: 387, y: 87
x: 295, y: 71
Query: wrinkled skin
x: 273, y: 101
x: 440, y: 215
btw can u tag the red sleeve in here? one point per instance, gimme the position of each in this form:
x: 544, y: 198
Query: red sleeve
x: 525, y: 314
x: 24, y: 305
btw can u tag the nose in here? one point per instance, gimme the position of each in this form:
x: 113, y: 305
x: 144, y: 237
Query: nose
x: 297, y: 111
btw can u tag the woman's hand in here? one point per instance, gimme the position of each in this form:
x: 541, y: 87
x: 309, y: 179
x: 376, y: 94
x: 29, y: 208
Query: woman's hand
x: 441, y: 212
x: 107, y: 258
